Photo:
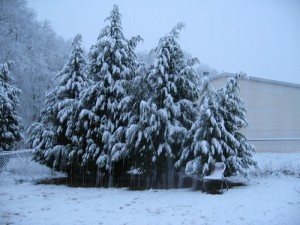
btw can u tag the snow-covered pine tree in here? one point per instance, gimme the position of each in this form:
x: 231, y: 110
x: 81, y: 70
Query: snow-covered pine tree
x: 236, y: 150
x: 170, y: 112
x: 111, y: 65
x: 10, y: 128
x: 55, y: 138
x: 204, y: 145
x: 138, y: 133
x: 216, y: 134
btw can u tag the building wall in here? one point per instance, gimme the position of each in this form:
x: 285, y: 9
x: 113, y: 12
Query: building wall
x: 273, y: 113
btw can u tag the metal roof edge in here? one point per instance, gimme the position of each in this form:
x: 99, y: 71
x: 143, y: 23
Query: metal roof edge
x: 258, y: 79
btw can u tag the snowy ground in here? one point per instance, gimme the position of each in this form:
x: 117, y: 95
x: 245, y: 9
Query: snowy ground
x: 265, y: 200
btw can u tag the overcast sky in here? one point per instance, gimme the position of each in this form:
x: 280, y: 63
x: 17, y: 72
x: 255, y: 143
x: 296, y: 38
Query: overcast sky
x: 259, y: 37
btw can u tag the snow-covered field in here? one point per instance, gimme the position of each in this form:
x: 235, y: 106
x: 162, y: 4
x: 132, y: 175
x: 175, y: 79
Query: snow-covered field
x: 265, y: 200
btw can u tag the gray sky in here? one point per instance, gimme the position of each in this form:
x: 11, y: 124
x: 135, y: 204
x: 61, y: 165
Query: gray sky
x: 259, y: 37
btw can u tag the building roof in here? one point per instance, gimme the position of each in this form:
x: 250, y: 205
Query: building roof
x: 257, y: 79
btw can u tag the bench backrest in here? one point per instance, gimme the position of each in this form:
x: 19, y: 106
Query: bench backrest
x: 217, y: 171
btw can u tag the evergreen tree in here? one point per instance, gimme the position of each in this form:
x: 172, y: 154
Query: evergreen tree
x: 138, y: 141
x: 169, y: 112
x: 187, y: 153
x: 216, y: 134
x: 204, y: 147
x: 55, y: 137
x: 237, y: 151
x: 111, y: 65
x: 10, y: 129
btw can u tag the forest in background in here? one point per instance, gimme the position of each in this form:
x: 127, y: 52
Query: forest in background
x: 37, y: 51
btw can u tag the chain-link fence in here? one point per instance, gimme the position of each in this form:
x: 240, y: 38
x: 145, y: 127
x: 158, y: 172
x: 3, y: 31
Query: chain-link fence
x: 20, y: 166
x: 277, y: 154
x: 278, y: 162
x: 16, y: 161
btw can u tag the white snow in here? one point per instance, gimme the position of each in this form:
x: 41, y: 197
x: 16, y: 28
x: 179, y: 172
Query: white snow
x: 272, y: 199
x: 265, y: 200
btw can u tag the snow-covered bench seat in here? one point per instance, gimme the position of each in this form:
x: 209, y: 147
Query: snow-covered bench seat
x: 217, y: 174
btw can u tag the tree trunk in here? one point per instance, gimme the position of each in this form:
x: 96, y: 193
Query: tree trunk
x: 181, y: 176
x: 170, y: 172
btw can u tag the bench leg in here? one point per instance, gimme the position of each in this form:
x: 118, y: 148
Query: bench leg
x: 204, y: 186
x: 226, y: 184
x: 222, y: 187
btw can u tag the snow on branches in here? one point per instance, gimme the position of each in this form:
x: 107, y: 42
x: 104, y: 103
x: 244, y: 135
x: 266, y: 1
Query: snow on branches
x: 111, y: 114
x: 10, y: 128
x: 216, y: 135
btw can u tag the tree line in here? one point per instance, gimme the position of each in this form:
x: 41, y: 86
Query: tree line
x: 111, y: 116
x: 37, y: 51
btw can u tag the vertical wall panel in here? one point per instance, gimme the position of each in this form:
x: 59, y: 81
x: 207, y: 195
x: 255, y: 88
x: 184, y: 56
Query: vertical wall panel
x: 273, y: 108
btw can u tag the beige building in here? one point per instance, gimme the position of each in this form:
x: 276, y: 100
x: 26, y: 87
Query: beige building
x: 273, y: 112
